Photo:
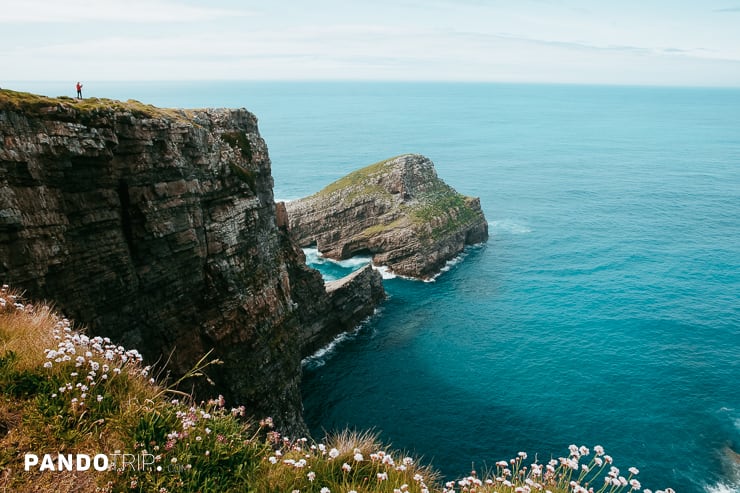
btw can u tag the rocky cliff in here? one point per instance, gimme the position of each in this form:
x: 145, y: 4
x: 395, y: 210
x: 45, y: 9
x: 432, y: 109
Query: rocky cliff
x: 398, y: 210
x: 158, y: 228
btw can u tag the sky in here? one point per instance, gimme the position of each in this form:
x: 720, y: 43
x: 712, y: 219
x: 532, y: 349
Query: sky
x: 636, y: 42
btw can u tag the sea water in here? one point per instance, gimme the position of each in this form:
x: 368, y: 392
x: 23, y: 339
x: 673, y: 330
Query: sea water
x: 605, y: 307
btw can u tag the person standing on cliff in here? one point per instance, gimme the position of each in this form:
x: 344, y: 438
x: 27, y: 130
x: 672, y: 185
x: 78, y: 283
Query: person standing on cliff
x: 79, y: 90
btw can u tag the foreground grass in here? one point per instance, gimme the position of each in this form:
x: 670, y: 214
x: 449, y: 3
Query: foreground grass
x: 62, y: 392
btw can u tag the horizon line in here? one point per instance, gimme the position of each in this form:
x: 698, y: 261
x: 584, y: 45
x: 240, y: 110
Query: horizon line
x: 376, y: 81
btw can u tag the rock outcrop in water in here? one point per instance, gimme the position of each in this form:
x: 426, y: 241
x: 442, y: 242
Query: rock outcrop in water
x: 158, y: 228
x: 398, y: 210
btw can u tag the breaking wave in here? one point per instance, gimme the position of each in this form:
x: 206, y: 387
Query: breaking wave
x: 313, y: 256
x: 320, y: 357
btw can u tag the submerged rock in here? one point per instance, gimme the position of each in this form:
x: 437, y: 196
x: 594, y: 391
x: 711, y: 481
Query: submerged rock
x: 398, y: 210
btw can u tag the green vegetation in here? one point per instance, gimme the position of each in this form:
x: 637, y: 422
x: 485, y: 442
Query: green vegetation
x: 36, y: 105
x: 447, y: 204
x: 62, y: 392
x: 440, y: 201
x: 239, y: 141
x: 359, y: 178
x: 246, y: 175
x: 378, y: 229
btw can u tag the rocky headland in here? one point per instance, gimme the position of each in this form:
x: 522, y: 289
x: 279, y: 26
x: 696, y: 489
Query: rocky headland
x: 158, y: 228
x: 398, y: 210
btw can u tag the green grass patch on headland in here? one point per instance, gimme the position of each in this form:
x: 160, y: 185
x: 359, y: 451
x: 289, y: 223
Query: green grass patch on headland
x: 37, y: 105
x: 378, y: 229
x: 453, y: 207
x: 358, y: 178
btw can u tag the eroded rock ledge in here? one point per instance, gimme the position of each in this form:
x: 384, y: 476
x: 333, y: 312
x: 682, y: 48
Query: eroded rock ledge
x: 399, y: 210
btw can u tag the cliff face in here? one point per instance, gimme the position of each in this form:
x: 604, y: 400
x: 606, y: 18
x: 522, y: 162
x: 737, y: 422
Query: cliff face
x: 350, y: 300
x: 158, y: 228
x: 398, y: 210
x: 325, y: 310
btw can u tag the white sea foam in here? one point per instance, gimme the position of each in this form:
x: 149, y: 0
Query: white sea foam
x: 731, y: 468
x: 320, y: 357
x: 722, y: 488
x: 313, y: 256
x: 350, y: 263
x: 450, y: 264
x: 453, y: 262
x: 385, y: 272
x: 509, y: 227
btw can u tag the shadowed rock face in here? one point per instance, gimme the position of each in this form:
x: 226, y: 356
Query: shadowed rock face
x: 158, y: 228
x: 398, y: 210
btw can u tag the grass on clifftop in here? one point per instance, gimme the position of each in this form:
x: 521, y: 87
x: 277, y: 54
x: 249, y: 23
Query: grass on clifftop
x: 36, y: 105
x: 64, y: 394
x: 356, y: 178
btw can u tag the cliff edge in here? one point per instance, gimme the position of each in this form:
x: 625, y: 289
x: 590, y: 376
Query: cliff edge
x: 398, y: 210
x: 158, y: 228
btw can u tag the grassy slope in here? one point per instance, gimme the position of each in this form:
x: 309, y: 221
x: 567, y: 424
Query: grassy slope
x: 62, y: 392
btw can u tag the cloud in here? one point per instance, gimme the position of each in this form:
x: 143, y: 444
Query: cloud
x: 728, y: 9
x: 577, y: 45
x: 132, y: 11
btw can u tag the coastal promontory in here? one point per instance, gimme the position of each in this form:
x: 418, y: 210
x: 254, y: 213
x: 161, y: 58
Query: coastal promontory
x: 397, y: 210
x: 158, y: 228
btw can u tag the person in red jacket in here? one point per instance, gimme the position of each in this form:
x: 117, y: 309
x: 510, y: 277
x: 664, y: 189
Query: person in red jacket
x: 79, y: 90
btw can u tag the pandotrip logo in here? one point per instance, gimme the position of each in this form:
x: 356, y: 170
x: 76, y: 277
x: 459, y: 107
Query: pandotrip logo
x: 98, y: 462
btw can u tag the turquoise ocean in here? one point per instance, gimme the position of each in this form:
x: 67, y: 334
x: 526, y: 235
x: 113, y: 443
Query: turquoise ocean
x: 605, y: 307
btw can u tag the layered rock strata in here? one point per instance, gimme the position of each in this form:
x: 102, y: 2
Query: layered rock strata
x: 158, y: 228
x: 398, y: 210
x: 351, y: 299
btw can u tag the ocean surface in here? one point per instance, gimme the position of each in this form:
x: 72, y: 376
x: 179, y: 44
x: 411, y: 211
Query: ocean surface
x: 605, y: 307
